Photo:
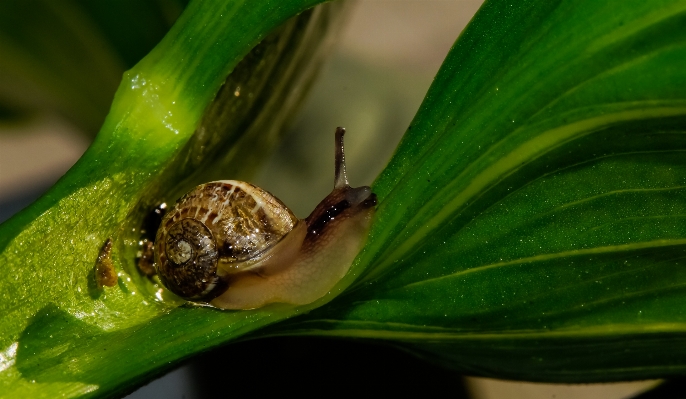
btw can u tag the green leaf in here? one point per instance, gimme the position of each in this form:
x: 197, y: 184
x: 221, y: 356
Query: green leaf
x: 531, y: 223
x: 60, y: 335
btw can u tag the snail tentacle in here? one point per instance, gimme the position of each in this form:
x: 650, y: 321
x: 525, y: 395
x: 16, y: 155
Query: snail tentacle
x: 340, y: 175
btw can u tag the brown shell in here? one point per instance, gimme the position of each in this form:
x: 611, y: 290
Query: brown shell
x: 225, y: 222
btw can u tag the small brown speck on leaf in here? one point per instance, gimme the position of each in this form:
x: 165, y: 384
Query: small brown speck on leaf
x: 105, y: 274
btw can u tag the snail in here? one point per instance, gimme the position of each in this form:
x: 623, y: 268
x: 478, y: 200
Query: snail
x: 235, y: 246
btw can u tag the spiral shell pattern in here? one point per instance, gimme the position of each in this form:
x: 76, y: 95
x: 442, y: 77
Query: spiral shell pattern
x: 216, y: 227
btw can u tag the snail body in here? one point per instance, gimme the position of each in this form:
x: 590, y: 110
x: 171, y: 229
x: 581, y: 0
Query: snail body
x: 236, y: 246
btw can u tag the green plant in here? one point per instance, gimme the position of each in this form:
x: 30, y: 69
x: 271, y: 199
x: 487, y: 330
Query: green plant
x: 530, y: 218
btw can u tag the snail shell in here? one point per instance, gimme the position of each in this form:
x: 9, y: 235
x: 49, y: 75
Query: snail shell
x: 236, y: 246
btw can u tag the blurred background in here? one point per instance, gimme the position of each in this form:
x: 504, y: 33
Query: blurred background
x: 372, y: 84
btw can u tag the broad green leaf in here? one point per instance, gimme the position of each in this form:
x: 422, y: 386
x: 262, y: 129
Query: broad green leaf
x: 528, y: 226
x: 171, y: 125
x: 531, y: 223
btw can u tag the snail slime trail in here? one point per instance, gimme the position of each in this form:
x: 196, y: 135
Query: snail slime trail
x: 235, y: 246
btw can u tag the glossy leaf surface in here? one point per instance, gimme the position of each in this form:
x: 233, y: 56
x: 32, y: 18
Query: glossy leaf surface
x: 62, y: 336
x: 530, y: 220
x: 533, y: 215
